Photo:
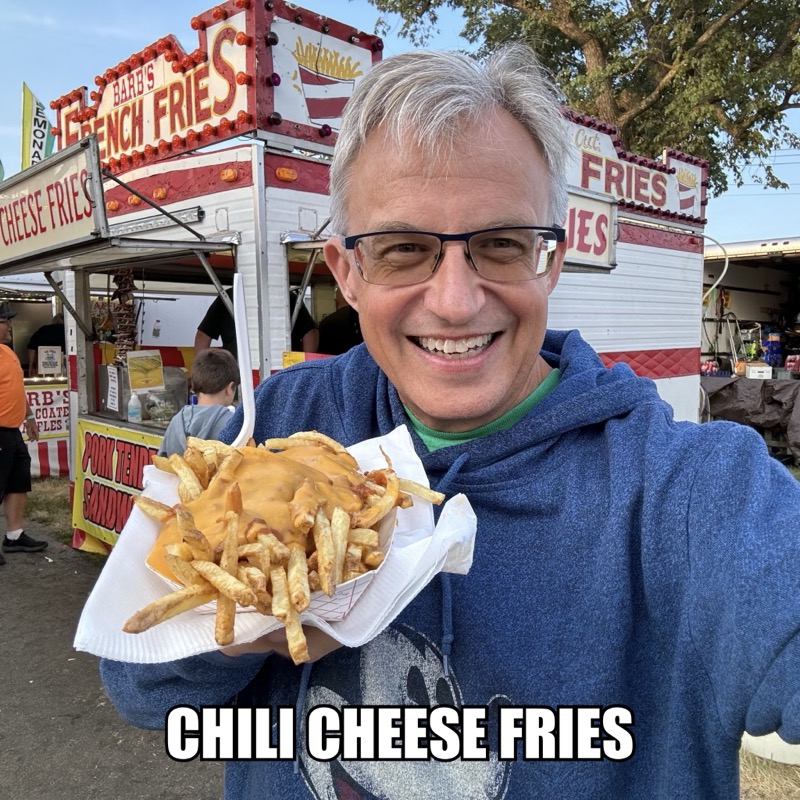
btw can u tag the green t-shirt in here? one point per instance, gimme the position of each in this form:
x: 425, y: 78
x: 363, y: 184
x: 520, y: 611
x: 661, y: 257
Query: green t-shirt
x: 435, y: 439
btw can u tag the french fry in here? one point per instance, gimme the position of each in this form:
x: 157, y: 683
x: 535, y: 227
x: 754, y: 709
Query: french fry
x: 257, y: 581
x: 162, y: 463
x: 340, y: 527
x: 297, y: 578
x: 366, y: 537
x: 319, y: 438
x: 229, y: 558
x: 183, y: 571
x: 326, y: 554
x: 169, y: 605
x: 179, y: 549
x: 227, y: 585
x: 184, y: 519
x: 199, y: 545
x: 194, y: 458
x: 154, y: 509
x: 224, y: 620
x: 189, y: 487
x: 295, y: 638
x: 280, y: 593
x: 279, y: 552
x: 374, y: 558
x: 418, y: 490
x: 233, y: 498
x: 313, y: 581
x: 372, y: 515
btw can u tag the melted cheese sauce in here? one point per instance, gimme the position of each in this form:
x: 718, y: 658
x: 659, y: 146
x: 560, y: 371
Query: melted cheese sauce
x: 283, y: 489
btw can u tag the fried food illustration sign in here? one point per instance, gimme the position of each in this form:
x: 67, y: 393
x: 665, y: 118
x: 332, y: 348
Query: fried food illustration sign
x: 314, y: 74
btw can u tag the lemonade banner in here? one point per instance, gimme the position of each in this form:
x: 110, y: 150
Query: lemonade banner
x: 109, y: 462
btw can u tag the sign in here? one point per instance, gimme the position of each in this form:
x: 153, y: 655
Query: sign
x: 50, y: 406
x: 48, y: 360
x: 672, y: 188
x: 112, y: 398
x: 591, y: 232
x: 54, y: 204
x: 257, y: 67
x: 108, y: 474
x: 145, y: 370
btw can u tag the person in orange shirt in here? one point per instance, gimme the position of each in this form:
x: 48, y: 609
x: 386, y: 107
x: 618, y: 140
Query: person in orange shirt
x: 15, y: 462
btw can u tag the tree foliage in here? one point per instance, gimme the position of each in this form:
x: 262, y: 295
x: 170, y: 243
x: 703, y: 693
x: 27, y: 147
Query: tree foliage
x: 714, y: 78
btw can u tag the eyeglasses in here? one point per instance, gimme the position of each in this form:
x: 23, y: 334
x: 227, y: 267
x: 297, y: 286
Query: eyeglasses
x: 506, y: 255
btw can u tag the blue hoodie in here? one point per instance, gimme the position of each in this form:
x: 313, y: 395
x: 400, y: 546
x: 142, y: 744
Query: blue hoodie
x: 622, y: 559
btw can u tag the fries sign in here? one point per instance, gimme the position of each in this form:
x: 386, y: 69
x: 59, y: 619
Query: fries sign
x: 255, y: 67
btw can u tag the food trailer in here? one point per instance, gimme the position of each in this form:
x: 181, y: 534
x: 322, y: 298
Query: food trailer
x: 184, y: 167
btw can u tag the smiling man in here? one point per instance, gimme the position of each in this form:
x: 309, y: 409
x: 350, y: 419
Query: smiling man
x: 621, y: 625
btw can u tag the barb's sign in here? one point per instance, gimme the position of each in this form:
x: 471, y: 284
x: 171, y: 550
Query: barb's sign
x: 108, y: 474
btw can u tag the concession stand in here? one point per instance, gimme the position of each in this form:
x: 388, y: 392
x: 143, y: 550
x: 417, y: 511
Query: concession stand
x: 185, y: 167
x: 179, y: 170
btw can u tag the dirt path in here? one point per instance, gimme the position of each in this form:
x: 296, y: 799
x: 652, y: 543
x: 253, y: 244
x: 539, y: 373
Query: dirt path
x: 60, y: 737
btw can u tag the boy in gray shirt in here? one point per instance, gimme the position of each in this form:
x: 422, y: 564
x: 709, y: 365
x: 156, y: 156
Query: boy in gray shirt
x: 214, y: 377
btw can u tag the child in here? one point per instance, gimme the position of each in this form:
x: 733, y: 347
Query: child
x: 214, y: 377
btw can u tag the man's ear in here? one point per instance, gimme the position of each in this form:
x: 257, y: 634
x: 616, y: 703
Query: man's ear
x: 558, y: 262
x: 342, y: 267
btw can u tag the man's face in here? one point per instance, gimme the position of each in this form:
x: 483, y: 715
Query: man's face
x: 493, y: 177
x: 5, y: 331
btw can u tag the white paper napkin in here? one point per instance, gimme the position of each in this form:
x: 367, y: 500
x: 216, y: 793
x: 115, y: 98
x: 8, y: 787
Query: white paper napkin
x: 419, y: 552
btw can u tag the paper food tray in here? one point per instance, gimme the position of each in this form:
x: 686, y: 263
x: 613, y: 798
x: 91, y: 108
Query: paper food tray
x: 419, y: 551
x: 332, y: 608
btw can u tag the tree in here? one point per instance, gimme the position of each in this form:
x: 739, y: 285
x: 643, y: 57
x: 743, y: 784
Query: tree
x: 714, y: 78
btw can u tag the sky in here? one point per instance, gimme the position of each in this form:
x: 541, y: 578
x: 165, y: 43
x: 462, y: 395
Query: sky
x: 60, y: 46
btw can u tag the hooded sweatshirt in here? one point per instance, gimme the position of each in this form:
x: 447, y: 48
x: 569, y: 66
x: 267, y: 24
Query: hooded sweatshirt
x: 204, y: 422
x: 622, y: 561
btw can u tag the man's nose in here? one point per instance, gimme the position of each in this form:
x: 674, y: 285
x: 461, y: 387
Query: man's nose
x: 454, y: 292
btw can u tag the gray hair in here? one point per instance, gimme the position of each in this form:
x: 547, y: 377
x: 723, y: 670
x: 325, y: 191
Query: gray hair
x: 426, y: 97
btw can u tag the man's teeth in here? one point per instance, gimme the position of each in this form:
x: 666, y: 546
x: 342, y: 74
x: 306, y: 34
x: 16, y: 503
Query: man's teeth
x: 450, y: 346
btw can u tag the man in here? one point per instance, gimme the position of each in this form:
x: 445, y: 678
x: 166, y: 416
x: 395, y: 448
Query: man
x: 50, y: 335
x: 340, y: 330
x: 15, y: 462
x: 218, y: 324
x: 636, y: 620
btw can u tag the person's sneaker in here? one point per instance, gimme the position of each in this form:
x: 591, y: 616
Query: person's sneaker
x: 22, y: 544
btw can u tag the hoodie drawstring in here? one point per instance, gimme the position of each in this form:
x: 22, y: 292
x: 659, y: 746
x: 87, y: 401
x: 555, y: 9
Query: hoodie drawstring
x: 445, y: 578
x: 305, y: 677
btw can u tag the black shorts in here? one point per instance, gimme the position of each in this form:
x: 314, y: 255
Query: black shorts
x: 15, y: 463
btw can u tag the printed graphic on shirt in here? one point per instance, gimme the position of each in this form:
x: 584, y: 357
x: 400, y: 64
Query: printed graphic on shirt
x: 409, y: 662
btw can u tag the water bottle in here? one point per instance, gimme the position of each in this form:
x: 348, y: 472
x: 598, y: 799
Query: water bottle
x: 134, y: 408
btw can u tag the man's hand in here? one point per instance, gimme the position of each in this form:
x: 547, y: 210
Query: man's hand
x: 319, y: 644
x: 32, y: 428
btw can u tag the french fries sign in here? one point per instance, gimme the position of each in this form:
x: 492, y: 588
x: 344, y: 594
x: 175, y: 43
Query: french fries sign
x: 108, y: 475
x: 256, y: 68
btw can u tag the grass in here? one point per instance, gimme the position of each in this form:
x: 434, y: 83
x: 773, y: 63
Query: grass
x: 761, y: 779
x: 48, y: 505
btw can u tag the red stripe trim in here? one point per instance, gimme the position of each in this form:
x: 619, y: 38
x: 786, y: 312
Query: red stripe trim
x: 661, y: 363
x: 180, y: 184
x: 62, y: 453
x: 631, y: 233
x: 44, y: 459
